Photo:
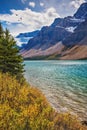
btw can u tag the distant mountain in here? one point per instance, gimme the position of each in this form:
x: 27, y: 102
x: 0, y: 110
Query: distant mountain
x: 23, y: 38
x: 28, y: 34
x: 58, y: 39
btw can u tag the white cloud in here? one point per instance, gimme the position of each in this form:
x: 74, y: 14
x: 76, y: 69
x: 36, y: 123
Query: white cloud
x: 28, y: 20
x: 32, y: 4
x: 76, y: 3
x: 41, y: 4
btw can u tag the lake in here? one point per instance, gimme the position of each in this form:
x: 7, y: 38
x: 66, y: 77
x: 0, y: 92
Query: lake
x: 64, y: 84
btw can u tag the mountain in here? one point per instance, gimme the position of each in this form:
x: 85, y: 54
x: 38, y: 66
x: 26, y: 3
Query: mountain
x: 60, y: 39
x: 81, y: 12
x: 79, y: 34
x: 23, y: 38
x: 76, y: 52
x: 28, y: 34
x: 47, y: 37
x: 76, y: 43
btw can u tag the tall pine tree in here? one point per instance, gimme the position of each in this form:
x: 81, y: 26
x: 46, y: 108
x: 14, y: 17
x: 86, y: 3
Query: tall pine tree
x: 10, y: 59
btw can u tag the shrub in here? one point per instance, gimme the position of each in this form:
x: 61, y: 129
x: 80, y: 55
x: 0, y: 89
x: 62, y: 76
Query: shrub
x: 26, y: 108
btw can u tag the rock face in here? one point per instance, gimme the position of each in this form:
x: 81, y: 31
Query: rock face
x: 79, y: 34
x: 81, y: 12
x: 66, y: 22
x: 61, y: 38
x: 48, y: 36
x: 76, y: 52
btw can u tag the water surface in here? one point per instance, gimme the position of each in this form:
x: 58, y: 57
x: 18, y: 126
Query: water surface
x: 64, y: 83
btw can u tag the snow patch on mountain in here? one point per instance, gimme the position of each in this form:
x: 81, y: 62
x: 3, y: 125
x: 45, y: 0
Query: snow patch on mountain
x: 71, y: 29
x: 77, y: 20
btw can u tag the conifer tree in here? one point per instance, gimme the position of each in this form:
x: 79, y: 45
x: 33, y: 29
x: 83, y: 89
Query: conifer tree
x: 1, y: 31
x: 10, y: 59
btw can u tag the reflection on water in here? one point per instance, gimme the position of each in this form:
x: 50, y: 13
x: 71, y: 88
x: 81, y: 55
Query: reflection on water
x: 63, y: 82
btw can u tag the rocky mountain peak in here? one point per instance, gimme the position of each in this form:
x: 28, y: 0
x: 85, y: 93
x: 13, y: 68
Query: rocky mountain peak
x: 61, y: 35
x: 81, y: 12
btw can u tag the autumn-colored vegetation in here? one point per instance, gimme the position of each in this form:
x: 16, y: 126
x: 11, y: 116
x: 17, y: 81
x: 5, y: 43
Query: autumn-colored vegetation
x: 25, y: 108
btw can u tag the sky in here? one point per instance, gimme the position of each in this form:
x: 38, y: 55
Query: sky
x: 21, y: 16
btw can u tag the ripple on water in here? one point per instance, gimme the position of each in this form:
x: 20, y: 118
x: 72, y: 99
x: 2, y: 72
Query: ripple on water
x: 63, y: 82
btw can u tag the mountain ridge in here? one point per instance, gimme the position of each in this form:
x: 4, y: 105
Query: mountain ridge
x: 67, y: 32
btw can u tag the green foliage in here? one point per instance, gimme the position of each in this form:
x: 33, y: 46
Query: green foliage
x: 25, y: 108
x: 1, y: 31
x: 10, y: 59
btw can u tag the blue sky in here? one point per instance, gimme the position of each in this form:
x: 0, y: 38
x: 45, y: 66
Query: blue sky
x: 28, y: 15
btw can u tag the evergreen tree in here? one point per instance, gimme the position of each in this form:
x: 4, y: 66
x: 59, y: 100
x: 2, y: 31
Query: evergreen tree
x: 1, y: 31
x: 10, y: 59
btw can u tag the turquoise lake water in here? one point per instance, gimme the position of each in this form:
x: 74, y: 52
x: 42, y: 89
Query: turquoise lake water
x: 64, y: 83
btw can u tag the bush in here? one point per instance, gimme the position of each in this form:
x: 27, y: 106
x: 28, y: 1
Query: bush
x: 26, y: 108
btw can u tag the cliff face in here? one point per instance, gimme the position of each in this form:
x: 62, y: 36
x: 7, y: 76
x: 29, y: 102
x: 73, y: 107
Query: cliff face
x: 61, y: 38
x: 76, y: 44
x: 78, y: 51
x: 78, y: 35
x: 48, y: 36
x: 81, y: 12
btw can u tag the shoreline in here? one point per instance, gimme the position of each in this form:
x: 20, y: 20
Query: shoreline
x: 58, y: 80
x: 26, y: 107
x: 83, y: 121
